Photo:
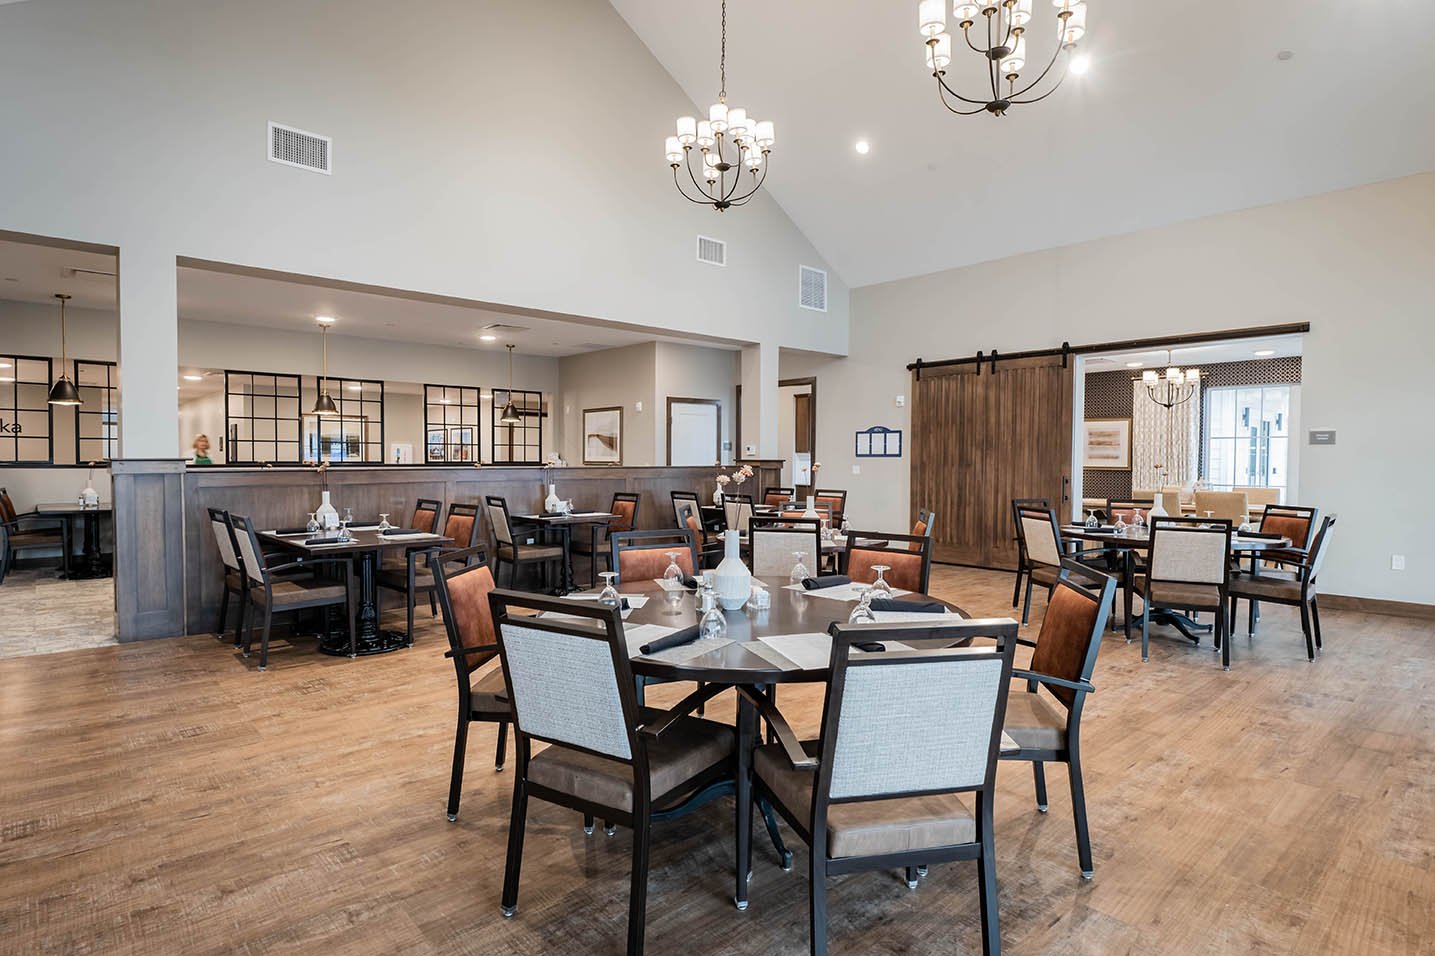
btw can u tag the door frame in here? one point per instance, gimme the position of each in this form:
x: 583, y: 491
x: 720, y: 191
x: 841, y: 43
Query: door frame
x: 811, y: 382
x: 717, y: 436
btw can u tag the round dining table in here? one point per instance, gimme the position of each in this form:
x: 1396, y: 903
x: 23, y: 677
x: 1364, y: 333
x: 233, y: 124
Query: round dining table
x: 792, y: 612
x: 1132, y: 541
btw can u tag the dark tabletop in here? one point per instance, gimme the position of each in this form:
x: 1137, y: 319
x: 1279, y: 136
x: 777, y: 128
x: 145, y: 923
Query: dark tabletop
x: 71, y: 508
x: 601, y: 517
x: 792, y: 612
x: 363, y: 540
x: 1142, y: 541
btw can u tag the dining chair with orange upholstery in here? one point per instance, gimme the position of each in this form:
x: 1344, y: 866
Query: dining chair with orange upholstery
x: 777, y: 497
x: 463, y: 594
x: 641, y: 557
x: 924, y: 525
x: 1292, y: 521
x: 1127, y: 509
x: 625, y: 506
x: 1295, y: 588
x: 835, y: 500
x: 907, y: 557
x: 513, y: 549
x: 1047, y: 726
x: 426, y: 515
x: 414, y: 578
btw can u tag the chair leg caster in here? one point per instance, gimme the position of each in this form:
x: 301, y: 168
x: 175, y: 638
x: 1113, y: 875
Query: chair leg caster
x: 911, y: 884
x: 453, y: 818
x: 508, y: 911
x: 263, y: 668
x: 498, y: 768
x: 741, y: 905
x: 1144, y: 659
x: 610, y: 829
x: 588, y: 830
x: 1226, y: 667
x: 787, y: 861
x: 1087, y: 874
x: 1041, y: 808
x: 921, y: 871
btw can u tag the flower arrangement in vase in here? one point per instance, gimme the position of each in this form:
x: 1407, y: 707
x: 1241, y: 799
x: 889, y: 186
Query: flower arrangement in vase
x: 740, y: 475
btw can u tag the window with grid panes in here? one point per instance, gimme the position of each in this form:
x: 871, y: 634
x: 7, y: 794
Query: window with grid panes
x: 25, y: 420
x: 97, y: 421
x: 356, y: 434
x: 451, y: 423
x: 520, y: 444
x: 1248, y: 436
x: 262, y: 418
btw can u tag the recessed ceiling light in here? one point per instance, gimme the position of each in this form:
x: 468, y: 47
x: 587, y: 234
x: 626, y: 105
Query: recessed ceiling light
x: 863, y: 147
x: 1080, y: 64
x: 1285, y: 55
x: 5, y: 365
x: 325, y: 319
x: 1134, y: 364
x: 7, y: 378
x: 356, y: 388
x: 488, y: 338
x: 1265, y: 353
x: 194, y: 378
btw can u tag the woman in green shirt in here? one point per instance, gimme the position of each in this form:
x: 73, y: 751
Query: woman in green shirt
x: 201, y: 451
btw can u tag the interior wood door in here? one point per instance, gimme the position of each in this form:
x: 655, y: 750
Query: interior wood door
x: 980, y: 440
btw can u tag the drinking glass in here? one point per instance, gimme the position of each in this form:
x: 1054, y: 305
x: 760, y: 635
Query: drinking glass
x: 713, y: 623
x: 344, y: 528
x: 862, y: 613
x: 609, y: 595
x: 1121, y: 524
x: 1138, y: 521
x: 673, y: 575
x: 799, y: 570
x: 880, y: 587
x: 759, y: 599
x: 826, y: 529
x: 384, y: 523
x: 348, y: 516
x: 313, y: 526
x: 1091, y: 520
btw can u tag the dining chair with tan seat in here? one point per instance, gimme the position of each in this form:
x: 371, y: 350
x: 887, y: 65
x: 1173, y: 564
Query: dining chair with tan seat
x: 1260, y: 498
x: 1291, y: 588
x: 27, y: 532
x: 1044, y: 717
x: 776, y: 497
x: 907, y: 557
x: 1296, y: 522
x: 416, y: 578
x: 273, y: 588
x: 482, y: 694
x: 235, y: 580
x: 1222, y: 505
x: 571, y: 687
x: 925, y: 524
x: 872, y: 794
x: 1170, y: 498
x: 1188, y: 570
x: 775, y: 541
x: 1042, y: 548
x: 508, y: 549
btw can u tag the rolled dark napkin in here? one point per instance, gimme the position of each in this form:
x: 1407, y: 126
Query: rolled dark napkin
x: 676, y: 639
x: 690, y: 582
x: 291, y: 530
x: 923, y: 607
x: 1262, y: 535
x: 330, y: 539
x: 403, y: 531
x: 825, y: 581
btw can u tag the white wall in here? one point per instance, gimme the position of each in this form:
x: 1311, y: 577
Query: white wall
x: 689, y: 371
x: 1356, y: 264
x: 204, y: 416
x: 504, y: 152
x: 612, y: 377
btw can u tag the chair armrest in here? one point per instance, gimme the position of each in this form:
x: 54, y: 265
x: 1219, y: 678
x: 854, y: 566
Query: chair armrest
x: 1025, y: 643
x: 1033, y: 676
x: 437, y: 556
x: 37, y: 522
x: 796, y: 756
x: 477, y: 649
x: 681, y: 709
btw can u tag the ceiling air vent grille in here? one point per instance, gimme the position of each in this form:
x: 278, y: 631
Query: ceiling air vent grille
x: 812, y: 288
x: 295, y: 147
x: 712, y: 251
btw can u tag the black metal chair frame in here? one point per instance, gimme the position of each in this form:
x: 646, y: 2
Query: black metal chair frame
x: 606, y: 626
x: 1221, y: 631
x: 599, y: 545
x: 515, y: 559
x: 460, y: 550
x: 269, y: 573
x: 1023, y: 563
x: 812, y: 827
x: 1105, y: 599
x: 1307, y: 602
x: 220, y: 517
x: 788, y: 493
x: 678, y: 539
x: 429, y: 504
x: 23, y: 524
x: 882, y: 541
x: 466, y: 660
x: 836, y: 515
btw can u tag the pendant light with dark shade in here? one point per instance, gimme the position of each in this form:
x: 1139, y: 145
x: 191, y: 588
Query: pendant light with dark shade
x: 324, y: 405
x: 63, y: 392
x: 510, y: 414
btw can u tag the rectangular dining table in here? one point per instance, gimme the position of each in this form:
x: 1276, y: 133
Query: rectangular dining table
x: 94, y: 564
x: 366, y: 545
x: 564, y: 524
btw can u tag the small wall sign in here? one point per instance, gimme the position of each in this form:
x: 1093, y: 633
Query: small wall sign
x: 1322, y: 436
x: 879, y: 442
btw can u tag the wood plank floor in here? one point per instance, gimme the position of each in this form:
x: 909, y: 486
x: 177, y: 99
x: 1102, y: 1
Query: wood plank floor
x: 166, y: 798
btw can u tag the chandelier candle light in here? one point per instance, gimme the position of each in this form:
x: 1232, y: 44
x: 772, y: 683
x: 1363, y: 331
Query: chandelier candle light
x: 1007, y: 25
x: 1173, y: 388
x: 727, y: 142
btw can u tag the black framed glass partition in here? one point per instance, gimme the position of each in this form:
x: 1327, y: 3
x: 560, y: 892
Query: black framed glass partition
x: 26, y: 437
x: 520, y: 444
x: 261, y: 417
x: 356, y: 434
x: 451, y: 423
x: 97, y: 429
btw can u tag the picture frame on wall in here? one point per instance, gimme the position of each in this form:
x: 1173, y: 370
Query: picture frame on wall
x: 461, y: 445
x: 437, y: 449
x: 603, y: 436
x: 1106, y: 443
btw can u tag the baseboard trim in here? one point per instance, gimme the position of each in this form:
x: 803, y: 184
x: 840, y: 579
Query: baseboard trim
x: 1345, y: 602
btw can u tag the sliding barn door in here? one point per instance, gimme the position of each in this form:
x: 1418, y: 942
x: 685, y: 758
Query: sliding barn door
x: 981, y: 439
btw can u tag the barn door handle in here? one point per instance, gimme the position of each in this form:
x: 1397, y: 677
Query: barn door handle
x: 1065, y: 486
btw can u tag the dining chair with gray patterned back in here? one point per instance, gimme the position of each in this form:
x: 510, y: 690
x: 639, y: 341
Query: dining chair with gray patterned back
x: 1188, y: 570
x: 1041, y: 549
x: 571, y: 687
x: 874, y: 794
x: 774, y: 542
x: 234, y: 577
x: 737, y: 512
x: 513, y: 549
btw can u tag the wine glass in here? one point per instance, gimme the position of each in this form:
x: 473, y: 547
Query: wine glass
x: 1138, y: 522
x: 713, y: 623
x: 673, y: 575
x: 313, y: 526
x: 344, y: 527
x: 609, y: 595
x: 1120, y: 524
x: 799, y: 570
x: 1091, y: 520
x: 384, y: 525
x: 348, y: 516
x: 862, y: 613
x: 880, y: 587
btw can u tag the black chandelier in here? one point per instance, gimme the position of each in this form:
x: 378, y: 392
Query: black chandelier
x: 727, y: 143
x: 1007, y: 24
x: 1173, y: 388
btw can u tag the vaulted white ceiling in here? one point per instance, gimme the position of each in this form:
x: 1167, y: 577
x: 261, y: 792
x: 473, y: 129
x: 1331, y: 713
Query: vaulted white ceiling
x: 1186, y: 112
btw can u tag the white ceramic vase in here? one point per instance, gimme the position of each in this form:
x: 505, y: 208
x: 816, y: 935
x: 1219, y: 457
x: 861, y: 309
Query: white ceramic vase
x: 811, y: 511
x: 325, y: 514
x: 552, y: 505
x: 731, y: 579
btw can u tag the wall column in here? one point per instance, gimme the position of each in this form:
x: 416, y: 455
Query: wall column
x: 759, y: 401
x: 148, y: 491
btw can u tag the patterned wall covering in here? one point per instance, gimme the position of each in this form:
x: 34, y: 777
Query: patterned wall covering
x: 1108, y: 395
